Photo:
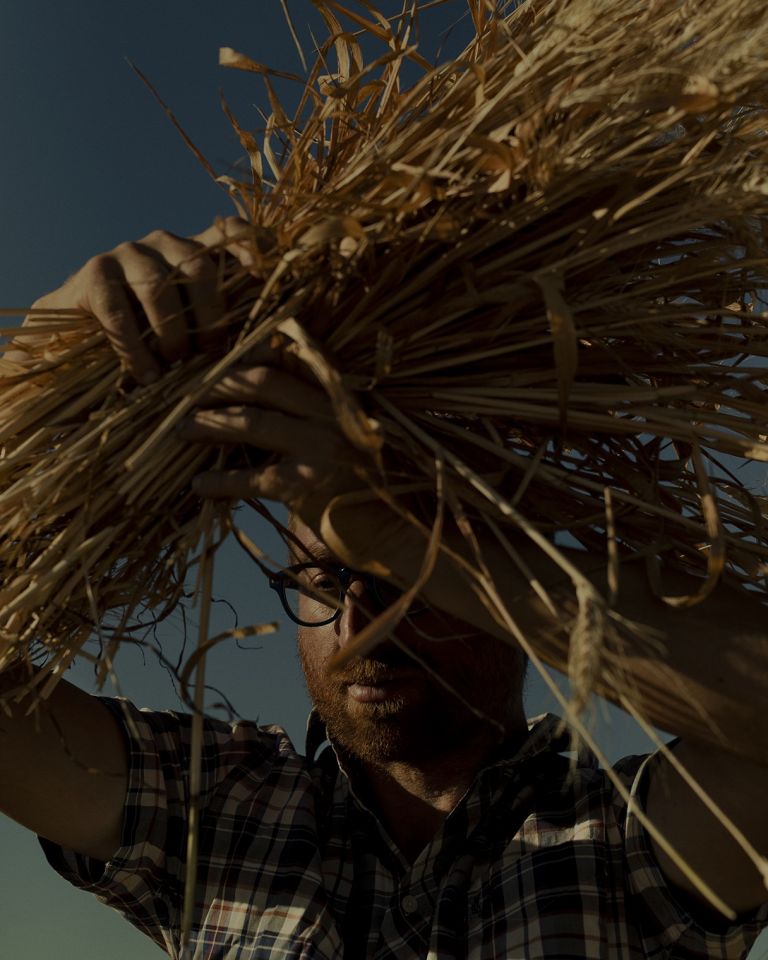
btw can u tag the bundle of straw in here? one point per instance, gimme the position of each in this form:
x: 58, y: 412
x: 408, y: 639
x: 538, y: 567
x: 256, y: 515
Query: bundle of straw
x: 538, y: 264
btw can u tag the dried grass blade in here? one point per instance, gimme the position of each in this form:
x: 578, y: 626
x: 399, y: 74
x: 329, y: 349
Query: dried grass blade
x: 359, y: 429
x: 564, y: 339
x: 204, y: 595
x: 202, y: 159
x: 612, y: 548
x: 240, y: 61
x: 294, y: 35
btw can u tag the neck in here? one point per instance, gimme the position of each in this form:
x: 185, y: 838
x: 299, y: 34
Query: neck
x: 413, y: 799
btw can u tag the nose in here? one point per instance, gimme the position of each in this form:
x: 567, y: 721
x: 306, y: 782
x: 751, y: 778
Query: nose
x: 359, y: 609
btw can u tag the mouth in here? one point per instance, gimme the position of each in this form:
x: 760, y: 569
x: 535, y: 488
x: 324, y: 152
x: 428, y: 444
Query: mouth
x: 381, y: 687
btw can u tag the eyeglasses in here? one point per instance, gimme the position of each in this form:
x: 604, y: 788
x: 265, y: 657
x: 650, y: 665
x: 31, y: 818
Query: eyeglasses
x: 325, y: 588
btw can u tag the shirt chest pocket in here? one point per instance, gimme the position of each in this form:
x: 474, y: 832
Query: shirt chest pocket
x: 249, y: 931
x: 264, y: 897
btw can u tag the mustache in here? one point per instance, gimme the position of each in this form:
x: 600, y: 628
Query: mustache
x: 367, y: 671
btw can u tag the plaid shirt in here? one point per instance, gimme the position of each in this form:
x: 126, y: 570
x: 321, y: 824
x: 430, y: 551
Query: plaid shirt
x: 531, y: 864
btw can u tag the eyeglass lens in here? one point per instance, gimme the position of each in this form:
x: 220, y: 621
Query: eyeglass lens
x: 315, y: 594
x: 322, y: 589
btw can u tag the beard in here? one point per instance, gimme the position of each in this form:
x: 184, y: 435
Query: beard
x: 459, y: 693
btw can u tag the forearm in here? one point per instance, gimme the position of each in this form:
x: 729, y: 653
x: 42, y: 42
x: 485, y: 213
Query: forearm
x: 63, y: 769
x: 740, y: 789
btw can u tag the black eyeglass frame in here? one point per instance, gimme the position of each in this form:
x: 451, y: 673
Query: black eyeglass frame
x: 345, y: 575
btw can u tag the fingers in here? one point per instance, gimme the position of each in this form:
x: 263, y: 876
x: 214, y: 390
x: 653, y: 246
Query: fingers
x: 304, y: 488
x: 305, y: 439
x: 193, y: 277
x: 265, y: 386
x: 100, y: 288
x: 237, y: 237
x: 174, y: 282
x: 313, y: 464
x: 155, y: 299
x: 282, y: 416
x: 149, y: 279
x: 286, y: 482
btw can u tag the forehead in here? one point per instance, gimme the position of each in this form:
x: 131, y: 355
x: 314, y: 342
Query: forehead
x: 310, y: 546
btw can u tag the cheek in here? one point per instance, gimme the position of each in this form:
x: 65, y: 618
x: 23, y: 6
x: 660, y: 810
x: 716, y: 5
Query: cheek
x: 470, y: 660
x: 438, y: 635
x: 316, y: 647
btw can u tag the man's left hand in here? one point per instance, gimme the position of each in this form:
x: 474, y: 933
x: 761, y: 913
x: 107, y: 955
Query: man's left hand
x: 288, y: 425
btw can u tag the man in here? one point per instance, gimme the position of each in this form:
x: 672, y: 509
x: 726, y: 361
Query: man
x: 436, y: 824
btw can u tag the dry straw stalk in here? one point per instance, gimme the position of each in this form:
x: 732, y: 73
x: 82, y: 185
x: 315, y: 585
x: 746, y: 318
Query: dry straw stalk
x: 536, y: 268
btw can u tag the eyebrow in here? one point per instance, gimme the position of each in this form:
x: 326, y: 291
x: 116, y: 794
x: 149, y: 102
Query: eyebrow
x: 317, y: 550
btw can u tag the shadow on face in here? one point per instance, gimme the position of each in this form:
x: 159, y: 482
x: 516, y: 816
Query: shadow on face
x: 433, y: 686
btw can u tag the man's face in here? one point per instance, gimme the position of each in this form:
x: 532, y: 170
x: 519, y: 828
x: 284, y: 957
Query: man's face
x: 440, y: 686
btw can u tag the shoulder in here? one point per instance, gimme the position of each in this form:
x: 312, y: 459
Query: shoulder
x: 163, y: 738
x: 576, y: 797
x: 572, y: 779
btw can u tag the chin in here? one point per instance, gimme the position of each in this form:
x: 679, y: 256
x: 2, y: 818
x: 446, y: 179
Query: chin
x: 395, y: 732
x: 380, y: 733
x: 387, y: 742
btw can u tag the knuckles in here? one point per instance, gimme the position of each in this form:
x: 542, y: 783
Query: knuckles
x: 248, y: 383
x: 233, y: 225
x: 49, y: 300
x: 201, y: 269
x: 127, y: 249
x: 161, y: 238
x: 257, y: 378
x: 102, y: 265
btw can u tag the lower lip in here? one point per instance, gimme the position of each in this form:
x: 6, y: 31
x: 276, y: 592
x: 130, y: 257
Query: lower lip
x: 365, y: 694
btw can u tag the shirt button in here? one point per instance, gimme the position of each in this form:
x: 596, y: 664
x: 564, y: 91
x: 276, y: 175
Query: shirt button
x: 410, y: 904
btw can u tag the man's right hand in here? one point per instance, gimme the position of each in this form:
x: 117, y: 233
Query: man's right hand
x: 156, y: 298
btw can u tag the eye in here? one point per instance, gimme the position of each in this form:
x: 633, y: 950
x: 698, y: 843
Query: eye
x: 313, y: 580
x: 321, y: 579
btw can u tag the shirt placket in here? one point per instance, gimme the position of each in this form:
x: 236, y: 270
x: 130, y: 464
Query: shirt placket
x: 406, y: 925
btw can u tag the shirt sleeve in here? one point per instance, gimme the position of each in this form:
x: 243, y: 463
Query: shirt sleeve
x: 666, y: 927
x: 144, y: 879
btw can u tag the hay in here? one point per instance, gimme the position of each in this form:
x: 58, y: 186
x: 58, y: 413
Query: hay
x: 536, y: 268
x: 544, y: 255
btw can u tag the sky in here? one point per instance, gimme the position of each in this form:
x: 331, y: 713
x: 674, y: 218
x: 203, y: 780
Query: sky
x: 89, y: 160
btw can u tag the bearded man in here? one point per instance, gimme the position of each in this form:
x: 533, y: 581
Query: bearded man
x: 427, y: 817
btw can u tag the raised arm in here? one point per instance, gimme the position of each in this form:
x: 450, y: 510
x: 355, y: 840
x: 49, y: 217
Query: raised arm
x: 63, y: 767
x: 63, y: 760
